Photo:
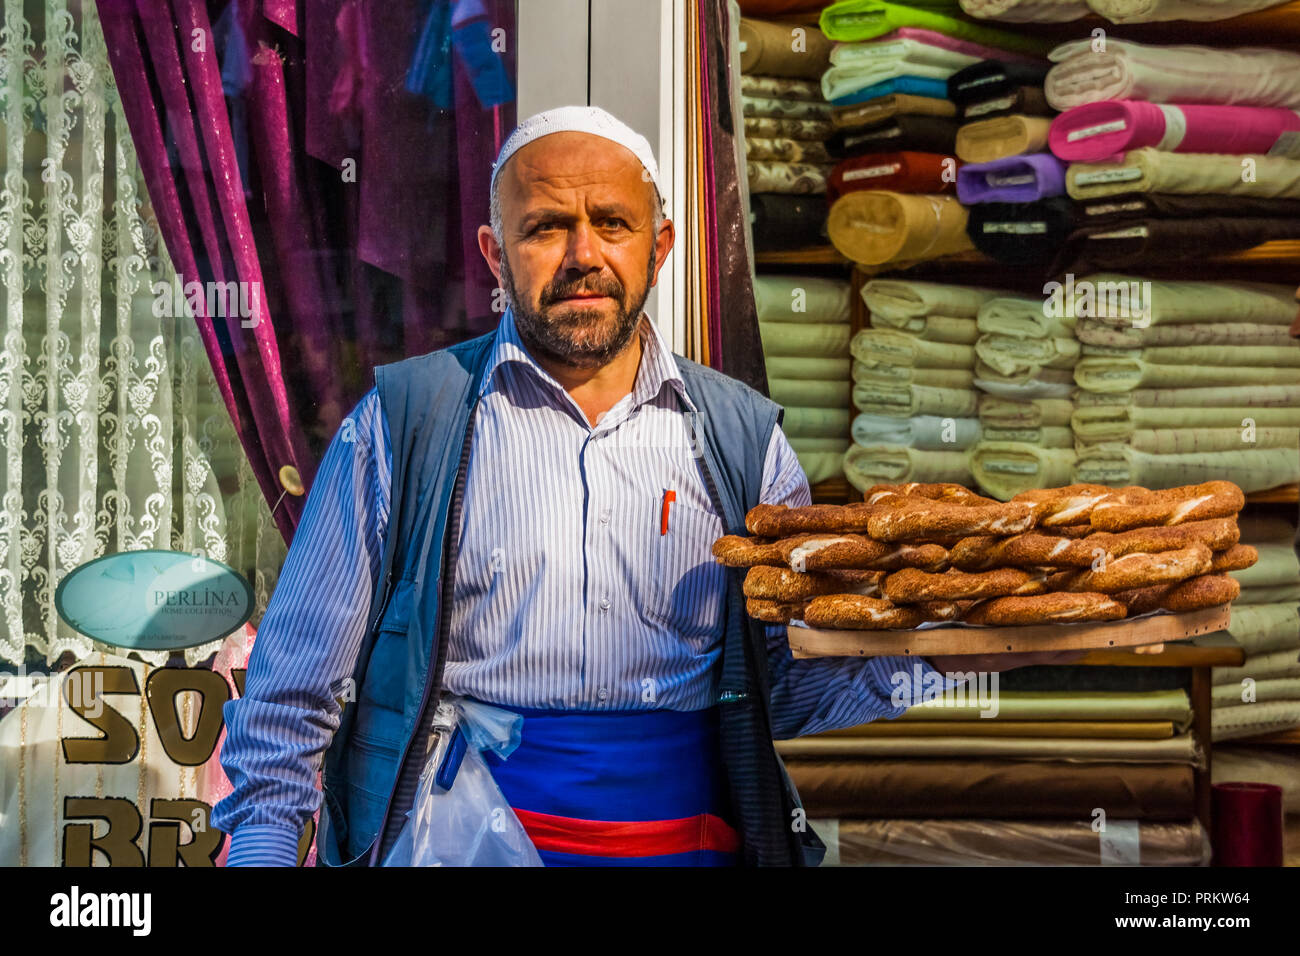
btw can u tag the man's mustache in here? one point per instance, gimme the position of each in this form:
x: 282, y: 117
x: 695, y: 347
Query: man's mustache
x: 554, y: 293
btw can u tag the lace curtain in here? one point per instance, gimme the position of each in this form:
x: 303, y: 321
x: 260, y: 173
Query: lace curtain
x: 114, y: 435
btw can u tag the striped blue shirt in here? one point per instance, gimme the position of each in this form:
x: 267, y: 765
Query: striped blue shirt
x: 566, y: 593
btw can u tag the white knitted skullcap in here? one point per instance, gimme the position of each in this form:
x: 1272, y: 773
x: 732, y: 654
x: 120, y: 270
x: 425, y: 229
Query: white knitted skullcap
x: 579, y: 119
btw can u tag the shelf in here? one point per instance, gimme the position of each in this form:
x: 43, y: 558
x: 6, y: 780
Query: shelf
x: 810, y: 256
x: 1279, y: 25
x: 1283, y: 494
x: 1286, y: 737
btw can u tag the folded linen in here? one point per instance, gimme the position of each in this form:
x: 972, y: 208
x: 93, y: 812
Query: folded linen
x: 1247, y: 76
x: 1251, y: 720
x: 1017, y: 359
x: 1263, y: 628
x: 1220, y: 355
x: 784, y: 150
x: 884, y: 108
x: 1180, y: 749
x: 1007, y: 789
x: 1042, y: 437
x: 809, y: 393
x: 777, y: 126
x: 948, y: 842
x: 816, y: 422
x: 1253, y: 470
x: 805, y: 179
x: 904, y: 172
x: 1144, y: 242
x: 1152, y: 11
x: 1026, y: 11
x: 908, y: 401
x: 1094, y: 132
x: 854, y: 20
x: 781, y: 88
x: 807, y: 367
x: 1022, y: 318
x: 892, y: 347
x: 908, y: 83
x: 898, y: 376
x: 1121, y: 374
x: 1258, y: 396
x: 1049, y: 383
x: 1128, y: 207
x: 923, y: 432
x: 772, y: 107
x: 787, y: 221
x: 1186, y: 440
x: 1012, y: 179
x: 1273, y: 665
x: 1258, y: 691
x: 805, y: 339
x: 865, y: 466
x: 1097, y: 332
x: 932, y: 328
x: 776, y: 49
x: 819, y: 465
x: 1023, y: 100
x: 1021, y: 233
x: 858, y: 65
x: 890, y: 299
x: 1004, y: 469
x: 800, y: 298
x: 988, y: 139
x: 877, y: 227
x: 1278, y: 594
x: 1119, y: 299
x: 995, y: 412
x: 1277, y: 565
x: 924, y: 134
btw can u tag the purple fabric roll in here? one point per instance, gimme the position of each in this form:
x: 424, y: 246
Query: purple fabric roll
x: 1024, y: 178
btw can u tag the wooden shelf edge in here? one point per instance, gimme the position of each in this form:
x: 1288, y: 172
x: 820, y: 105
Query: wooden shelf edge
x: 1283, y: 494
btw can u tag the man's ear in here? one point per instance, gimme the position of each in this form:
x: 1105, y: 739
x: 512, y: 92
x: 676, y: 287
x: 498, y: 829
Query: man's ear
x: 491, y: 250
x: 663, y: 245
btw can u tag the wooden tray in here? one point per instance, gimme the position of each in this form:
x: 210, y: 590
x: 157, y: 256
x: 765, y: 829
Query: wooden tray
x: 815, y: 642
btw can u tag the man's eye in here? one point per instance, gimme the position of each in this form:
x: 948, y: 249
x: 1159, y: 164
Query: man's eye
x: 616, y: 223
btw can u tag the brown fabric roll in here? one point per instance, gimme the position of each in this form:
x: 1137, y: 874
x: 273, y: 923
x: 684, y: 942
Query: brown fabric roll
x: 996, y: 789
x: 768, y: 50
x: 987, y: 140
x: 905, y: 172
x: 884, y: 108
x: 940, y: 842
x: 874, y: 227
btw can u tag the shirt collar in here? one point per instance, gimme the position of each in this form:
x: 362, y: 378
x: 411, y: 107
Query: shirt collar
x: 657, y: 366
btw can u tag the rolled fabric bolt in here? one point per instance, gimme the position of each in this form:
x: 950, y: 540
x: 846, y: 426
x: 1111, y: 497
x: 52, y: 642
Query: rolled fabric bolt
x: 1119, y: 298
x: 986, y: 140
x: 1247, y: 824
x: 1021, y: 233
x: 1004, y: 469
x: 896, y: 376
x: 926, y: 134
x: 1155, y: 11
x: 989, y: 79
x: 776, y: 49
x: 907, y: 172
x: 1027, y: 11
x: 1022, y: 178
x: 1130, y: 207
x: 875, y: 227
x: 1094, y: 132
x: 1143, y: 242
x: 882, y: 108
x: 1022, y: 318
x: 911, y: 84
x: 799, y: 298
x: 782, y: 221
x: 1125, y: 70
x: 891, y: 299
x: 922, y: 432
x: 855, y: 20
x: 1025, y: 101
x: 1151, y: 170
x: 899, y: 348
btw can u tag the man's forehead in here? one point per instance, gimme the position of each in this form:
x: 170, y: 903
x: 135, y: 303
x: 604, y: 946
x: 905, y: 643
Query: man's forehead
x: 572, y: 158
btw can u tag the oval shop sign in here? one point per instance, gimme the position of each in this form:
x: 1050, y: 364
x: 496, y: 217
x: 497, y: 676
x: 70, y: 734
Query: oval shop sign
x: 154, y: 600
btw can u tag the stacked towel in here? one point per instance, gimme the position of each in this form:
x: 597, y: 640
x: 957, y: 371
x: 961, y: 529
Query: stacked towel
x: 1263, y: 695
x: 912, y: 383
x: 804, y: 324
x: 1171, y: 390
x: 1023, y: 352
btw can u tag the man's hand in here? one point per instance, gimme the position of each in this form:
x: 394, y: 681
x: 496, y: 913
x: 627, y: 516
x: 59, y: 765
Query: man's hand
x: 952, y: 663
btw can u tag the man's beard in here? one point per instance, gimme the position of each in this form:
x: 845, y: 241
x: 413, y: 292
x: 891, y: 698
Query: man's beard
x: 577, y: 337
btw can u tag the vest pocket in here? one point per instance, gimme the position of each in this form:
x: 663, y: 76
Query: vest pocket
x: 685, y: 589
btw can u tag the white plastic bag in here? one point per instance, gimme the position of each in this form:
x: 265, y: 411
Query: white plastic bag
x: 460, y: 817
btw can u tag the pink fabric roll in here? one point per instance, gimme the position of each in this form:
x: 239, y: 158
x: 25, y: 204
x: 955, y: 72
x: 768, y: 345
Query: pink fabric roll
x: 954, y: 45
x: 1096, y: 132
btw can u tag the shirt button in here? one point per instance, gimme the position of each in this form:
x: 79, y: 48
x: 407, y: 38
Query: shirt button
x: 604, y: 516
x: 604, y: 604
x: 602, y: 694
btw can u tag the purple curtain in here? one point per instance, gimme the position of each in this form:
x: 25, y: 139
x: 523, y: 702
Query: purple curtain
x: 734, y: 344
x: 334, y: 157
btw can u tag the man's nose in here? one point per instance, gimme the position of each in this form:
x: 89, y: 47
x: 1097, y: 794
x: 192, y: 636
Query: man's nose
x: 583, y: 251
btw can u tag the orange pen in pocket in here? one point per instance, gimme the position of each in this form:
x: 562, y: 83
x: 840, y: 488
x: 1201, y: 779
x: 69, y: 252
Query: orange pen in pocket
x: 669, y: 497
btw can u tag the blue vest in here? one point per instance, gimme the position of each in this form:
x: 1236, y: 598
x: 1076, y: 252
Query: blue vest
x: 373, y: 764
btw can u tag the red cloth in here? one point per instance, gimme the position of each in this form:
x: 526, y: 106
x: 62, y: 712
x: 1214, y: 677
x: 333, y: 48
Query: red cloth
x: 901, y: 172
